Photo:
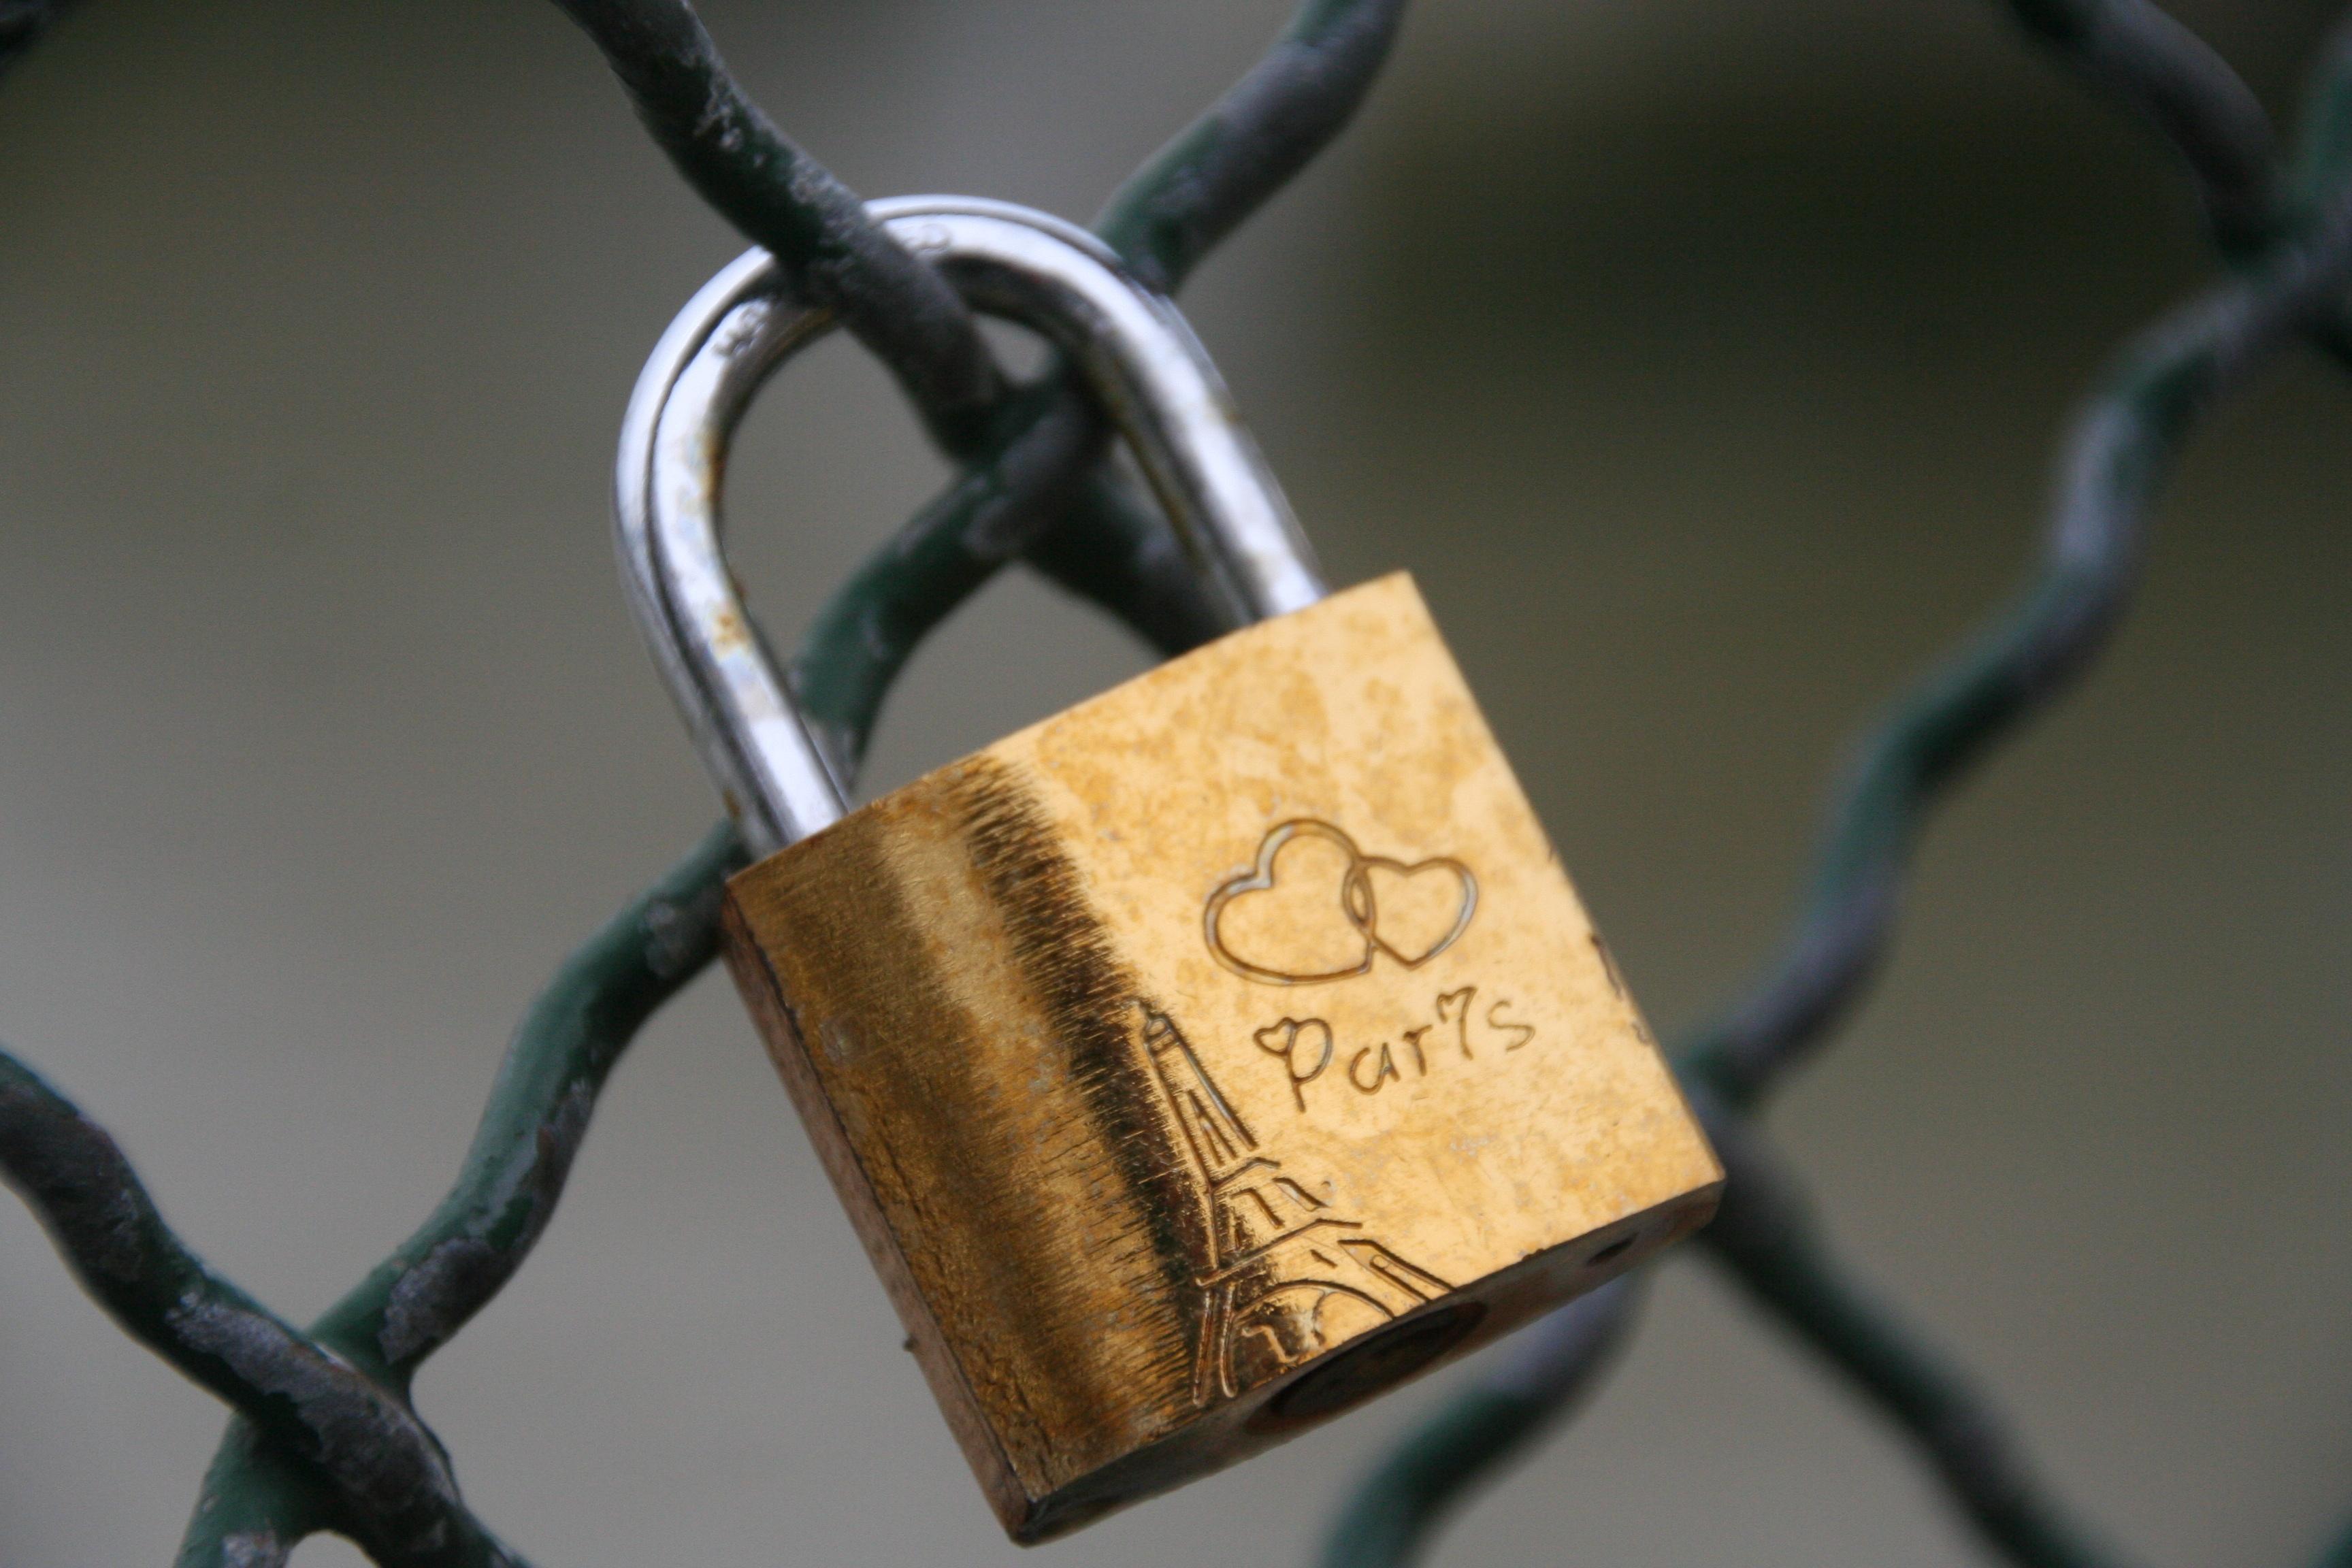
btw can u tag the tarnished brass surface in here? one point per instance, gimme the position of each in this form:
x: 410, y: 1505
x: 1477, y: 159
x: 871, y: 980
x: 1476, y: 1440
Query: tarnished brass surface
x: 1213, y: 1055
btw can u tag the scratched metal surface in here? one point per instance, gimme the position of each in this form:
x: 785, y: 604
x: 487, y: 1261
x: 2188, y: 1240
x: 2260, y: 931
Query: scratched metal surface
x: 328, y: 735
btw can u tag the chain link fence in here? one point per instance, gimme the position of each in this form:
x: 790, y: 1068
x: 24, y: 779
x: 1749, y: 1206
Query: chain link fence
x: 324, y: 1437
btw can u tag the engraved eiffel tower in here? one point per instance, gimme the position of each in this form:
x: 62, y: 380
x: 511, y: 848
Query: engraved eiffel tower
x: 1283, y: 1279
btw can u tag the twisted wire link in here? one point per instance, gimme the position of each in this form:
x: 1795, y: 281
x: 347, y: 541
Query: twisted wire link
x: 2118, y: 452
x: 788, y: 203
x: 367, y: 1443
x: 1032, y: 479
x: 413, y: 1302
x: 1018, y: 454
x: 1765, y: 1233
x: 1083, y: 528
x: 324, y: 1437
x: 301, y: 1395
x: 263, y: 1494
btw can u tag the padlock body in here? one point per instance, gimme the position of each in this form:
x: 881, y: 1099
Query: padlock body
x: 1213, y: 1055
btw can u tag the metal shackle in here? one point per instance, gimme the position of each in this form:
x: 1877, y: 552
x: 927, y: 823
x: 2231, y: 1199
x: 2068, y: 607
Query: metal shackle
x: 1162, y: 394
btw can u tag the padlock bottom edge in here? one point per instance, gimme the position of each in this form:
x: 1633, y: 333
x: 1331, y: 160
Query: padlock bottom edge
x: 1361, y: 1370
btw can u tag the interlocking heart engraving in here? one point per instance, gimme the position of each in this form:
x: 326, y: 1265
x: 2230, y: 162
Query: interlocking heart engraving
x: 1428, y: 905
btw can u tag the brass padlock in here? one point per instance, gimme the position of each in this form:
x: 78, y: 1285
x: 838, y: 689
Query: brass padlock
x: 1204, y: 1059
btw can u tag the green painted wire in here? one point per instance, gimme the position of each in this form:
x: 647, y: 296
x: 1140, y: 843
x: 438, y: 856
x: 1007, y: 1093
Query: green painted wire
x: 2123, y: 448
x: 1764, y: 1236
x: 1953, y: 716
x: 255, y: 1507
x: 2120, y: 450
x: 565, y: 1047
x: 1045, y: 493
x: 1253, y: 141
x: 2139, y: 55
x: 785, y: 201
x: 357, y: 1437
x: 1537, y: 1383
x: 2323, y: 159
x: 259, y: 1490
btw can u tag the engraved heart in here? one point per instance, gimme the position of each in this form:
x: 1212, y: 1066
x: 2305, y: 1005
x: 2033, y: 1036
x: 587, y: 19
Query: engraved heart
x: 1285, y: 921
x: 1415, y: 913
x: 1274, y: 922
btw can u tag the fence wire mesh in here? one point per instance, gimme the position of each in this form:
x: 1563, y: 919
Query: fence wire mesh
x: 324, y: 1437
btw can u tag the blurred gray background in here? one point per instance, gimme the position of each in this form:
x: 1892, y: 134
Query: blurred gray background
x: 1704, y: 359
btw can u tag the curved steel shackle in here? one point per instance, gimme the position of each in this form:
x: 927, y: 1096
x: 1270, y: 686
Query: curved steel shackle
x: 1151, y: 373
